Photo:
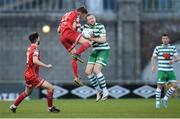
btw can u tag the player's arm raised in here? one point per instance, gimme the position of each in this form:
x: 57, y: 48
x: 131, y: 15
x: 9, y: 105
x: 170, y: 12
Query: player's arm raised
x: 38, y: 62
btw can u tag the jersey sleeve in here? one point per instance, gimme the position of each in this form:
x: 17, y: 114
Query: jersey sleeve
x: 175, y: 51
x: 102, y: 30
x: 36, y: 52
x: 155, y: 52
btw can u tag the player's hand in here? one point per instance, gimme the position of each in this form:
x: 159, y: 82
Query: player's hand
x: 153, y: 69
x: 78, y: 25
x: 49, y: 66
x: 172, y: 62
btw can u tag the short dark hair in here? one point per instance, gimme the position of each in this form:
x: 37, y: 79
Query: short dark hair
x: 82, y: 9
x: 33, y: 37
x: 165, y: 34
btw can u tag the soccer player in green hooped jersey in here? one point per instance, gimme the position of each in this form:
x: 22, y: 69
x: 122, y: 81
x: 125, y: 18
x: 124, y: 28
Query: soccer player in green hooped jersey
x: 98, y: 57
x: 166, y: 55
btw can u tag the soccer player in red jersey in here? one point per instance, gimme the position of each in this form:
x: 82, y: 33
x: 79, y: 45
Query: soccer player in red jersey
x: 70, y: 37
x: 32, y: 78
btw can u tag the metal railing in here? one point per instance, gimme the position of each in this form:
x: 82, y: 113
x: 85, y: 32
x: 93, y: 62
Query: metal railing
x: 52, y: 6
x: 160, y: 5
x: 12, y: 6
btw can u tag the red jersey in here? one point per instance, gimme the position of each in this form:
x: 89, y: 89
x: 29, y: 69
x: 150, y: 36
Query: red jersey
x: 32, y: 70
x: 68, y: 19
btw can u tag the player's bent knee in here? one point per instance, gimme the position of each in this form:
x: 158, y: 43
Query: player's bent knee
x: 50, y: 88
x: 174, y: 85
x: 96, y: 71
x: 88, y: 72
x: 159, y: 86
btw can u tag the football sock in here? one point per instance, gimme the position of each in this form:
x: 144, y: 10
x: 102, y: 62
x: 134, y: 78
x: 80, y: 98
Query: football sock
x: 101, y: 80
x: 20, y: 98
x: 94, y: 83
x: 158, y: 95
x: 82, y: 48
x: 169, y: 93
x: 50, y: 99
x: 74, y: 64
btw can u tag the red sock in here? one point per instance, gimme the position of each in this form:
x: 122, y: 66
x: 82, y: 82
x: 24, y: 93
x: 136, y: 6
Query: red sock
x: 82, y: 48
x: 50, y: 98
x: 74, y: 64
x: 20, y: 98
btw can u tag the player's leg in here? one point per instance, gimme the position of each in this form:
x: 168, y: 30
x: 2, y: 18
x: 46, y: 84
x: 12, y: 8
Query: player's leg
x: 21, y: 97
x: 76, y: 38
x: 101, y: 80
x: 102, y: 59
x: 93, y: 80
x: 50, y: 91
x: 71, y: 49
x: 161, y: 80
x: 91, y: 76
x: 158, y: 95
x: 85, y: 44
x: 171, y: 90
x: 74, y: 64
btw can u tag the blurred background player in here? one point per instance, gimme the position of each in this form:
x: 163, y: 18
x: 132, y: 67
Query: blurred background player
x: 98, y: 57
x: 70, y: 37
x: 166, y: 55
x: 32, y: 78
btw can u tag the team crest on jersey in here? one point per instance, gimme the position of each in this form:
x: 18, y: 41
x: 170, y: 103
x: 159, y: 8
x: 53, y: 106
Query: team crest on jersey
x: 101, y: 59
x: 166, y: 56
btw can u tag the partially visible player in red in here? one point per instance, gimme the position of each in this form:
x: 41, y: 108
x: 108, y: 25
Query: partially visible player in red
x: 32, y: 78
x: 70, y: 37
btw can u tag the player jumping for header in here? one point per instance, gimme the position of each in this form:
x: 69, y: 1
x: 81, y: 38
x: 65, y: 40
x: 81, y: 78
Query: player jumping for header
x: 70, y: 37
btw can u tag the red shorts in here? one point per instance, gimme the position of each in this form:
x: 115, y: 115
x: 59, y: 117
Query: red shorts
x: 36, y: 82
x: 69, y: 38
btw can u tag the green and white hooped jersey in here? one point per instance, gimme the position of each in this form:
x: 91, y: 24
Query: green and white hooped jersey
x: 165, y: 54
x: 98, y: 29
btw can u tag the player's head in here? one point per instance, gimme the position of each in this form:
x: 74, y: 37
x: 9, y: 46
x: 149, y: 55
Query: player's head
x: 165, y: 39
x: 91, y: 19
x: 34, y: 38
x: 82, y: 10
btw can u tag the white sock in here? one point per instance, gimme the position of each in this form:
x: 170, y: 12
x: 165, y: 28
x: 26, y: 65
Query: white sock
x: 158, y: 95
x: 14, y: 106
x: 101, y: 80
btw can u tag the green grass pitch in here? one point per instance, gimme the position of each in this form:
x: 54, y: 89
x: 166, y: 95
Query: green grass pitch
x: 79, y: 108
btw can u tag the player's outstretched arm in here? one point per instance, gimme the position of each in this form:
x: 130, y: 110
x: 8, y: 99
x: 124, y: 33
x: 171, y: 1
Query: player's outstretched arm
x: 38, y: 62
